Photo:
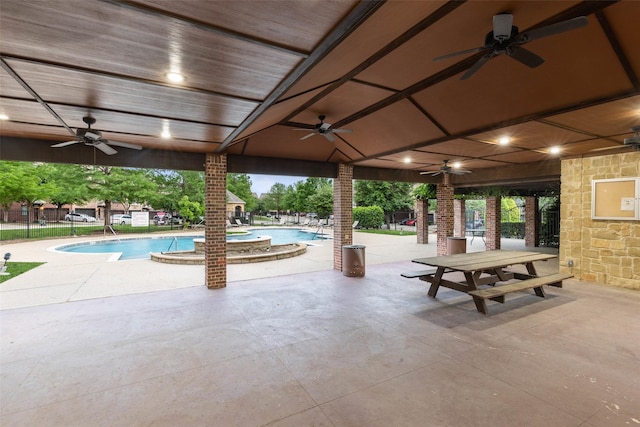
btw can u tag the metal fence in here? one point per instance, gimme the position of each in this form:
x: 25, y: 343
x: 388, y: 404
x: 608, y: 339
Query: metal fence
x: 22, y: 224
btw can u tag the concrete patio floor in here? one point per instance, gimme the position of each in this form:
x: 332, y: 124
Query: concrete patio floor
x: 295, y: 343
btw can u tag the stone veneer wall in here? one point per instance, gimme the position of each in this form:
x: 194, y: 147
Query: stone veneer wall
x: 602, y: 251
x: 343, y: 212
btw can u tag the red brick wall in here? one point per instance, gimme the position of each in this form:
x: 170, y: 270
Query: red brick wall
x: 422, y: 221
x: 444, y: 215
x: 494, y: 212
x: 459, y: 226
x: 343, y: 212
x: 215, y: 216
x: 531, y: 215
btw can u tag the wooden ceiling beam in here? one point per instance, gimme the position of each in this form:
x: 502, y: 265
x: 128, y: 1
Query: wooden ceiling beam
x: 357, y: 17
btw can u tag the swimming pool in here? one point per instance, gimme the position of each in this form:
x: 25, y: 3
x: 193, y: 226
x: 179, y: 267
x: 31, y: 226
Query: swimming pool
x: 280, y: 236
x: 139, y: 248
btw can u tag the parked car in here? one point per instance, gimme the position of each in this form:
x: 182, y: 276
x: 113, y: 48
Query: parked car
x: 408, y: 221
x: 124, y: 219
x: 78, y: 217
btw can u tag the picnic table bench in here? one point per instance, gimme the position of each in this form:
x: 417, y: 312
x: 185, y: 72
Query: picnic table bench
x: 487, y: 268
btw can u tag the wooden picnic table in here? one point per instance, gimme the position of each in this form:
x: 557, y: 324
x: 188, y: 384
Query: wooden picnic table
x: 488, y: 268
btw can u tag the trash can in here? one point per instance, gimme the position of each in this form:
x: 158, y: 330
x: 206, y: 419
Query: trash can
x: 353, y: 260
x: 456, y: 245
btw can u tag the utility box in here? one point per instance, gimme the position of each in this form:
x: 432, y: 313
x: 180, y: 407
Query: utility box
x: 353, y: 260
x: 456, y: 245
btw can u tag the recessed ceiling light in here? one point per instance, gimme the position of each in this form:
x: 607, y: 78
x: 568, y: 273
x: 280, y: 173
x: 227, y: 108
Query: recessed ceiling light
x: 4, y: 117
x: 554, y: 150
x: 174, y: 77
x: 505, y: 140
x: 407, y: 160
x: 456, y: 165
x: 165, y: 134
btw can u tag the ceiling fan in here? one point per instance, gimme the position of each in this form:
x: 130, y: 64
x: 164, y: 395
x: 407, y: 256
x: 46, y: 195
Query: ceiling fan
x: 634, y: 141
x: 94, y: 138
x: 446, y: 170
x: 506, y: 39
x: 324, y: 129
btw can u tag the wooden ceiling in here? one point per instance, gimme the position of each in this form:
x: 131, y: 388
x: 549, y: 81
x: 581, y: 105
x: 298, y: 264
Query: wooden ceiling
x: 256, y: 71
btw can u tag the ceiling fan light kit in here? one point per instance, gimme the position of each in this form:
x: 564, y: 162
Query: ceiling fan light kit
x: 505, y: 38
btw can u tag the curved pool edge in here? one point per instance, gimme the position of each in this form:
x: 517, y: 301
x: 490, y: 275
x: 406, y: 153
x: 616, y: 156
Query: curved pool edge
x: 276, y: 252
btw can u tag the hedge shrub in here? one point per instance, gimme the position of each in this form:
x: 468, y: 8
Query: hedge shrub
x: 368, y: 216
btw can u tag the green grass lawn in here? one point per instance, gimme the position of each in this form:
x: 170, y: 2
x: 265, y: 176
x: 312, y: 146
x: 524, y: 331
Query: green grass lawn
x: 16, y: 268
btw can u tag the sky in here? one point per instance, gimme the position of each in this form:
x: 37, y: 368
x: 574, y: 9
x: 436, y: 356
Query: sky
x: 262, y: 183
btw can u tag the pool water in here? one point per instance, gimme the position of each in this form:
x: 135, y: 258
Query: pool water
x: 139, y: 248
x: 133, y: 248
x: 280, y: 236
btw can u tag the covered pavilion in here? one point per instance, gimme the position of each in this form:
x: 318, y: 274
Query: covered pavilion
x: 246, y: 76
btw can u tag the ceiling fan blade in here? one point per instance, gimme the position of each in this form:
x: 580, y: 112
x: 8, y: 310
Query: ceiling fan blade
x: 462, y: 52
x: 524, y: 56
x: 329, y: 136
x: 341, y: 130
x: 307, y: 136
x: 459, y: 171
x: 123, y: 144
x: 64, y: 144
x: 105, y: 148
x: 324, y: 126
x: 432, y: 173
x: 475, y: 67
x: 549, y: 30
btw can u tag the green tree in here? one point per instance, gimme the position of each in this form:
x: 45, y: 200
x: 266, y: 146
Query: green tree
x: 390, y: 196
x: 240, y: 185
x: 275, y: 198
x: 321, y: 201
x: 190, y: 210
x: 22, y: 182
x: 12, y: 175
x: 509, y: 210
x: 173, y: 185
x: 68, y: 185
x: 122, y: 185
x: 425, y: 192
x: 290, y: 198
x: 305, y: 190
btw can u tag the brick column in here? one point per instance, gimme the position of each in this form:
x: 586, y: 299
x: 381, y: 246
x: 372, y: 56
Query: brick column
x: 459, y: 226
x: 422, y: 221
x: 215, y: 253
x: 494, y: 214
x: 531, y: 221
x: 444, y: 214
x: 342, y: 212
